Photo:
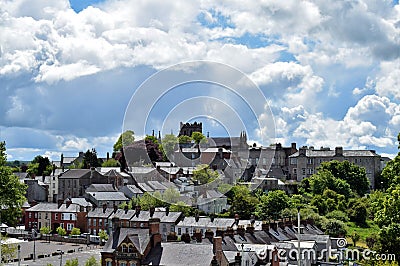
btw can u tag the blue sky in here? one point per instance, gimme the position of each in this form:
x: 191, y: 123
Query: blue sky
x: 328, y: 71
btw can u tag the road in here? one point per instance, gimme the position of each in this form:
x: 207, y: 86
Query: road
x: 47, y: 253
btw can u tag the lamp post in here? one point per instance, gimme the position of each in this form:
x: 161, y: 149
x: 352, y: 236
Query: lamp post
x: 19, y: 255
x: 61, y: 253
x: 34, y: 241
x: 298, y: 237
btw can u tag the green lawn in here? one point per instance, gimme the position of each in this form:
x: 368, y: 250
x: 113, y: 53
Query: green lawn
x: 370, y: 229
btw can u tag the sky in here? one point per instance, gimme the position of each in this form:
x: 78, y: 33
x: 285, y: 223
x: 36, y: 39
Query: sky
x: 329, y: 71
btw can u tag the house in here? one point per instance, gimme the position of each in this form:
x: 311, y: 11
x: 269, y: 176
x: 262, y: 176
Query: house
x: 74, y: 182
x: 42, y: 214
x: 101, y: 188
x: 157, y: 186
x: 70, y: 215
x: 37, y: 191
x: 200, y: 225
x: 212, y: 201
x: 130, y: 246
x: 305, y: 162
x: 109, y: 198
x: 98, y: 219
x: 131, y: 191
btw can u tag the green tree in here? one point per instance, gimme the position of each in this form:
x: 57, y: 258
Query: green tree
x: 242, y: 202
x: 40, y: 166
x: 272, y: 204
x: 197, y: 137
x: 151, y: 200
x: 61, y: 231
x: 169, y: 143
x: 389, y: 239
x: 357, y: 211
x: 181, y: 206
x: 75, y: 231
x: 125, y: 139
x: 8, y: 251
x: 324, y: 179
x: 335, y: 228
x: 12, y: 191
x: 390, y: 211
x: 353, y: 174
x: 90, y: 159
x: 203, y: 174
x: 184, y: 139
x: 92, y: 262
x: 171, y: 195
x: 355, y: 238
x: 72, y: 262
x: 45, y: 230
x: 110, y: 163
x: 103, y: 236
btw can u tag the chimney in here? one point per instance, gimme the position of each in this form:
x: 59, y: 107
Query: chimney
x: 293, y: 146
x: 198, y: 236
x: 214, y: 261
x: 339, y: 151
x: 152, y: 210
x: 240, y: 230
x: 154, y: 230
x: 250, y: 229
x: 275, y: 257
x: 115, y: 224
x: 289, y: 224
x: 229, y: 231
x: 126, y: 208
x: 104, y: 207
x: 265, y: 226
x: 302, y: 151
x: 166, y: 211
x: 281, y: 225
x: 212, y: 217
x: 196, y: 217
x: 60, y: 202
x: 108, y: 156
x: 115, y: 208
x: 273, y: 226
x: 236, y: 219
x: 220, y: 232
x: 217, y: 249
x: 238, y: 260
x: 209, y: 234
x: 68, y: 203
x: 138, y: 208
x: 220, y: 153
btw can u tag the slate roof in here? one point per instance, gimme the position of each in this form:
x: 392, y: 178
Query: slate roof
x: 144, y: 216
x: 139, y: 237
x: 112, y: 196
x: 156, y: 185
x: 71, y: 208
x: 44, y: 207
x: 179, y: 253
x: 100, y: 213
x: 80, y: 201
x: 331, y: 153
x: 141, y: 170
x: 134, y: 189
x: 145, y: 187
x: 123, y: 215
x: 170, y: 170
x: 206, y: 222
x: 75, y: 173
x: 100, y: 188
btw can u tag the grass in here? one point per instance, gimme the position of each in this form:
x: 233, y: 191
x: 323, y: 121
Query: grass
x: 364, y: 231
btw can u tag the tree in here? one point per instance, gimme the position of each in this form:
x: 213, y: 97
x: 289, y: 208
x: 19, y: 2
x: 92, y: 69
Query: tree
x: 45, y: 230
x: 358, y: 211
x: 197, y: 137
x: 92, y: 262
x: 181, y: 206
x: 324, y: 179
x: 390, y: 211
x: 110, y: 163
x: 153, y: 149
x: 171, y: 195
x: 335, y: 228
x: 12, y: 191
x: 75, y: 231
x: 40, y: 166
x: 61, y: 231
x: 272, y: 204
x: 72, y: 262
x: 125, y: 139
x: 8, y: 251
x: 203, y: 174
x: 169, y: 143
x: 103, y: 236
x: 90, y: 159
x: 151, y: 200
x: 353, y: 174
x: 355, y: 237
x: 184, y: 139
x: 241, y: 201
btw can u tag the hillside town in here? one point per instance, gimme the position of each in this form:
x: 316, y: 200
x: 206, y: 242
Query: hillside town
x: 194, y: 205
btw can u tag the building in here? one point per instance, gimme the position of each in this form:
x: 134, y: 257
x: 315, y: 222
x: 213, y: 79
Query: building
x: 188, y: 128
x: 305, y: 162
x: 74, y: 182
x: 212, y: 201
x: 109, y: 198
x: 200, y: 225
x: 98, y: 219
x: 40, y: 215
x: 130, y: 246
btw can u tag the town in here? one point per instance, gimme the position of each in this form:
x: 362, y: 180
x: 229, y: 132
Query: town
x: 194, y: 199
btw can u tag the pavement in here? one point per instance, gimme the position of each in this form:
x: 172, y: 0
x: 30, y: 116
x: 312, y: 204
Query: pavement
x: 47, y: 253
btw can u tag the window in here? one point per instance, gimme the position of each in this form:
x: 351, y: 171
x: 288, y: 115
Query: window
x: 294, y: 170
x: 70, y: 226
x: 56, y: 216
x: 94, y: 222
x: 310, y: 171
x: 30, y: 215
x: 100, y: 222
x: 124, y: 248
x: 108, y: 263
x: 303, y: 171
x: 293, y: 160
x: 310, y: 161
x: 130, y: 249
x: 40, y: 215
x: 179, y: 231
x: 54, y: 185
x: 172, y: 228
x: 47, y: 215
x: 122, y: 264
x: 62, y: 225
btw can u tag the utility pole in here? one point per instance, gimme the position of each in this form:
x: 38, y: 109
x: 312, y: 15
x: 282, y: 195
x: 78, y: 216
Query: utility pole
x: 298, y: 238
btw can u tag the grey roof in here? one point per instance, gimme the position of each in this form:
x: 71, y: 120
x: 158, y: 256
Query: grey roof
x: 75, y: 173
x: 44, y: 206
x: 80, y: 201
x: 101, y: 188
x: 112, y: 196
x: 331, y: 153
x: 21, y: 175
x: 145, y: 187
x: 71, y: 208
x: 206, y: 222
x: 100, y: 213
x: 141, y: 170
x: 144, y: 216
x: 170, y: 170
x: 156, y: 185
x: 69, y: 160
x: 139, y: 237
x: 165, y: 164
x: 223, y: 141
x: 123, y: 214
x: 169, y: 184
x: 134, y: 189
x: 179, y: 253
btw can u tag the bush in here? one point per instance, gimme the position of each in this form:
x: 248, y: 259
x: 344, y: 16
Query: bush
x: 338, y: 215
x: 335, y: 228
